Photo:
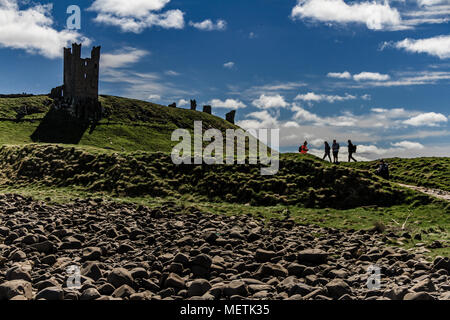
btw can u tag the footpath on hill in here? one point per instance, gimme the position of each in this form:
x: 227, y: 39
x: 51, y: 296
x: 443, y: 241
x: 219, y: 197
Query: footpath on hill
x: 441, y: 194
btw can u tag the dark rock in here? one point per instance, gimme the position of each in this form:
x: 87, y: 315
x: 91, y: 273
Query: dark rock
x: 51, y: 293
x: 123, y: 291
x: 198, y: 288
x: 236, y: 287
x: 174, y: 281
x: 10, y: 289
x: 337, y: 288
x: 90, y: 294
x: 264, y: 255
x: 312, y: 256
x: 92, y: 270
x: 119, y: 277
x: 91, y: 254
x: 418, y: 296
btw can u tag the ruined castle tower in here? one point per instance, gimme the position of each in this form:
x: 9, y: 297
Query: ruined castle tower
x: 81, y: 75
x: 79, y: 94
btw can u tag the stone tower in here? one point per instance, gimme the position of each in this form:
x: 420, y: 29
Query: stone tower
x: 81, y: 75
x: 79, y: 94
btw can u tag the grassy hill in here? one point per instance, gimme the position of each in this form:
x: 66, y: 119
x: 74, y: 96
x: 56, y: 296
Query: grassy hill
x: 432, y: 172
x: 128, y: 125
x: 303, y: 181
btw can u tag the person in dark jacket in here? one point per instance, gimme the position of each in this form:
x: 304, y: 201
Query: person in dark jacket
x: 335, y: 147
x: 383, y: 170
x: 327, y: 151
x: 351, y: 151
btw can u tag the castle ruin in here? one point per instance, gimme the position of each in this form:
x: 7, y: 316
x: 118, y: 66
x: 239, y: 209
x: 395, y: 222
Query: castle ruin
x: 79, y: 94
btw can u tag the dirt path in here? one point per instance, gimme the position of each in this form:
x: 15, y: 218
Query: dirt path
x: 441, y: 194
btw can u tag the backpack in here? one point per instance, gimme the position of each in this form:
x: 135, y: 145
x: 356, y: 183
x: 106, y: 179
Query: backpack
x: 354, y: 148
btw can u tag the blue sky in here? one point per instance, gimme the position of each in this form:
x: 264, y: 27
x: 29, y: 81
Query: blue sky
x: 377, y: 72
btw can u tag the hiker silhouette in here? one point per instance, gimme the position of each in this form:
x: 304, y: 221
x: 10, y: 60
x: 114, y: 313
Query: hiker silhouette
x: 327, y: 151
x: 335, y: 147
x: 351, y: 151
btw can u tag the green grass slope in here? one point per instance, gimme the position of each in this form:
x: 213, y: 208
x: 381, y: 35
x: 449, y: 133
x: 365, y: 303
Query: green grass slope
x: 128, y: 125
x: 302, y: 180
x: 432, y: 172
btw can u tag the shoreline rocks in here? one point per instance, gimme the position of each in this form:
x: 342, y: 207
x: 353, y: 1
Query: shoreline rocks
x: 130, y: 252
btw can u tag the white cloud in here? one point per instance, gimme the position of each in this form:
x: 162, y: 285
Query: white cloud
x: 122, y: 58
x: 374, y: 76
x: 340, y: 75
x: 125, y: 8
x: 291, y: 124
x: 262, y: 120
x: 305, y: 115
x: 228, y: 65
x: 375, y: 15
x: 209, y: 25
x: 438, y: 46
x: 228, y: 103
x: 431, y: 2
x: 408, y: 79
x: 31, y: 30
x: 314, y: 97
x: 429, y: 119
x: 182, y: 102
x: 137, y: 15
x: 270, y: 101
x: 408, y: 145
x: 154, y: 97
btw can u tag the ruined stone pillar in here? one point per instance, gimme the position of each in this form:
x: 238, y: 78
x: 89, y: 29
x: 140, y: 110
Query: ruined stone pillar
x: 230, y: 116
x: 207, y: 109
x: 193, y: 105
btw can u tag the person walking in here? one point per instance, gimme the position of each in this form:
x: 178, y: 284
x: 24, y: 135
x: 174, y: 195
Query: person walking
x: 327, y: 151
x: 383, y: 170
x: 351, y: 151
x: 304, y: 148
x: 335, y: 147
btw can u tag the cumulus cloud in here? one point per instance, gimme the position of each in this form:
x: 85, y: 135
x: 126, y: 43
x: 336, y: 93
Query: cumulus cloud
x: 270, y: 101
x: 228, y: 65
x: 375, y: 15
x: 314, y: 97
x: 429, y: 119
x: 261, y: 120
x: 182, y: 102
x: 154, y: 97
x: 32, y: 30
x: 228, y: 104
x: 408, y: 145
x: 137, y: 15
x: 340, y: 75
x: 122, y: 58
x: 438, y: 46
x: 209, y: 25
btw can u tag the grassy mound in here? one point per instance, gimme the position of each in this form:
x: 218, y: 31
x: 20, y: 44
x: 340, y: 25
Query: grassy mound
x: 128, y: 125
x: 430, y: 172
x: 304, y: 181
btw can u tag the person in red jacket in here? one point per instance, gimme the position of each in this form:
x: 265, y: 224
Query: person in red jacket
x: 304, y: 148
